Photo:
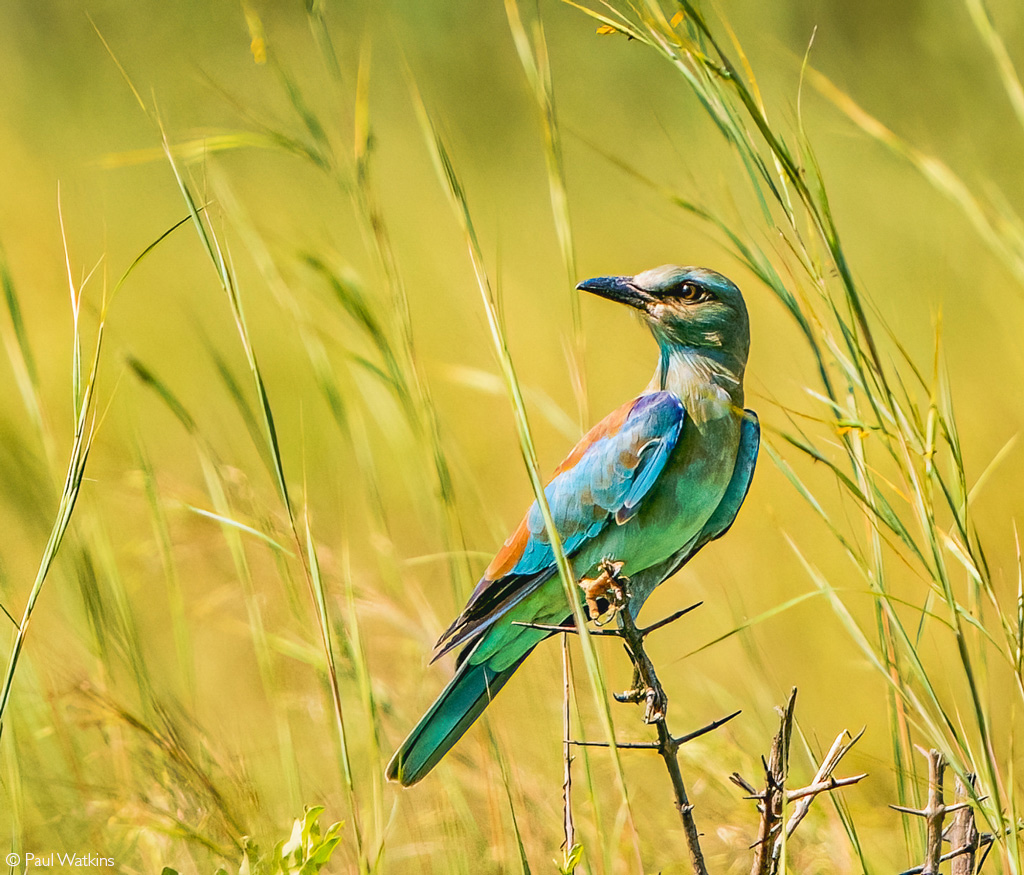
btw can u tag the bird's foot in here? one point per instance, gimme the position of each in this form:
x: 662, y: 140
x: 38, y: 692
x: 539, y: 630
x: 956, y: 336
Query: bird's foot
x: 647, y: 691
x: 609, y: 586
x: 654, y: 703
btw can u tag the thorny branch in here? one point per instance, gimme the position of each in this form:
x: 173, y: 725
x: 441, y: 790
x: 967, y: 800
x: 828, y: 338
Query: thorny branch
x: 962, y: 833
x: 776, y: 770
x: 647, y: 689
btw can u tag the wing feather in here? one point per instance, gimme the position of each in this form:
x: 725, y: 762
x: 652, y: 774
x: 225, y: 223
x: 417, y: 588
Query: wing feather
x: 604, y: 479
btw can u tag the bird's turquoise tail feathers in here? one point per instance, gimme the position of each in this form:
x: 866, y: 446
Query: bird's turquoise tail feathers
x: 458, y: 706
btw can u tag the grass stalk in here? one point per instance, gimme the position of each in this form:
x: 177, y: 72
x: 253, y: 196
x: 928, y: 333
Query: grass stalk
x: 310, y: 564
x: 457, y: 199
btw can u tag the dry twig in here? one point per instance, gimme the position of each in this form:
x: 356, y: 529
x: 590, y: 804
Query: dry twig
x: 647, y: 689
x: 570, y: 830
x: 962, y: 833
x: 776, y: 770
x: 768, y: 847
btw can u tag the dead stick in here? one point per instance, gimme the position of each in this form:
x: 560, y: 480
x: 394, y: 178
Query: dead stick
x: 964, y: 833
x: 775, y: 773
x: 570, y: 831
x: 828, y: 765
x: 934, y: 813
x: 668, y: 747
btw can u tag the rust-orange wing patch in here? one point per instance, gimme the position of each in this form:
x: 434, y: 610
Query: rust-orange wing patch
x: 608, y: 426
x: 510, y: 553
x: 512, y: 550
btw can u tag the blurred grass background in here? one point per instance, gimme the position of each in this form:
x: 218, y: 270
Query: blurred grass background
x: 173, y: 696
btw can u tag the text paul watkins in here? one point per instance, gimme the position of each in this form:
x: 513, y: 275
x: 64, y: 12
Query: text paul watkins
x: 48, y: 861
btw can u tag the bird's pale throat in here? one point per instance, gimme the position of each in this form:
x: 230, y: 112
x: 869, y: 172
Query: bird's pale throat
x: 702, y: 379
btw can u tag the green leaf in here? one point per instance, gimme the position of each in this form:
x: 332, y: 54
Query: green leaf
x: 571, y: 860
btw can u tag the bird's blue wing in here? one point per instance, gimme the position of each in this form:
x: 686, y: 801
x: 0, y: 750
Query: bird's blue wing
x: 603, y: 481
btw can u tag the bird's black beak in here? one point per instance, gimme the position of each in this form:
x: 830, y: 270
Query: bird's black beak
x: 618, y: 288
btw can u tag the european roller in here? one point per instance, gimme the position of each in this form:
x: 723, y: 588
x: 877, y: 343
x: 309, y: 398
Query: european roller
x: 647, y: 487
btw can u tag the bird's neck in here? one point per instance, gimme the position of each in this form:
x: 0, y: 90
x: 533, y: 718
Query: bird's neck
x: 709, y: 383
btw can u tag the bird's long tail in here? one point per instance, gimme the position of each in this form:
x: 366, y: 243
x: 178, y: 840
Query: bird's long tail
x: 459, y: 704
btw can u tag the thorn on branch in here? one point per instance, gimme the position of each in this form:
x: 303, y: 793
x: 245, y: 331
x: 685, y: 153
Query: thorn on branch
x: 812, y: 790
x: 671, y: 618
x: 704, y: 730
x: 745, y: 786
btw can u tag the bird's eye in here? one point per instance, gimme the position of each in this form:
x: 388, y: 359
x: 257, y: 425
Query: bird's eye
x: 691, y: 292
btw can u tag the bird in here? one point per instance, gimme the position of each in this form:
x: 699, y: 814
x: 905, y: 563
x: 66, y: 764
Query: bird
x: 645, y: 489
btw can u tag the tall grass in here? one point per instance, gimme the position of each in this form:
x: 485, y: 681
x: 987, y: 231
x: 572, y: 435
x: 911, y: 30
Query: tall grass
x: 83, y: 396
x: 908, y: 481
x: 83, y: 400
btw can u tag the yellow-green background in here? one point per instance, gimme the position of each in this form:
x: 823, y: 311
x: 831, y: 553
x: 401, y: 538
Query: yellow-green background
x: 69, y: 123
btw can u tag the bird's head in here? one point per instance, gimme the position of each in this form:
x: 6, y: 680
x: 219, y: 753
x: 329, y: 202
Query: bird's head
x: 691, y: 307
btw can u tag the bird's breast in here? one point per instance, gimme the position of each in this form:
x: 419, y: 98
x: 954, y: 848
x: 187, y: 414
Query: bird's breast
x: 681, y: 502
x: 698, y: 474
